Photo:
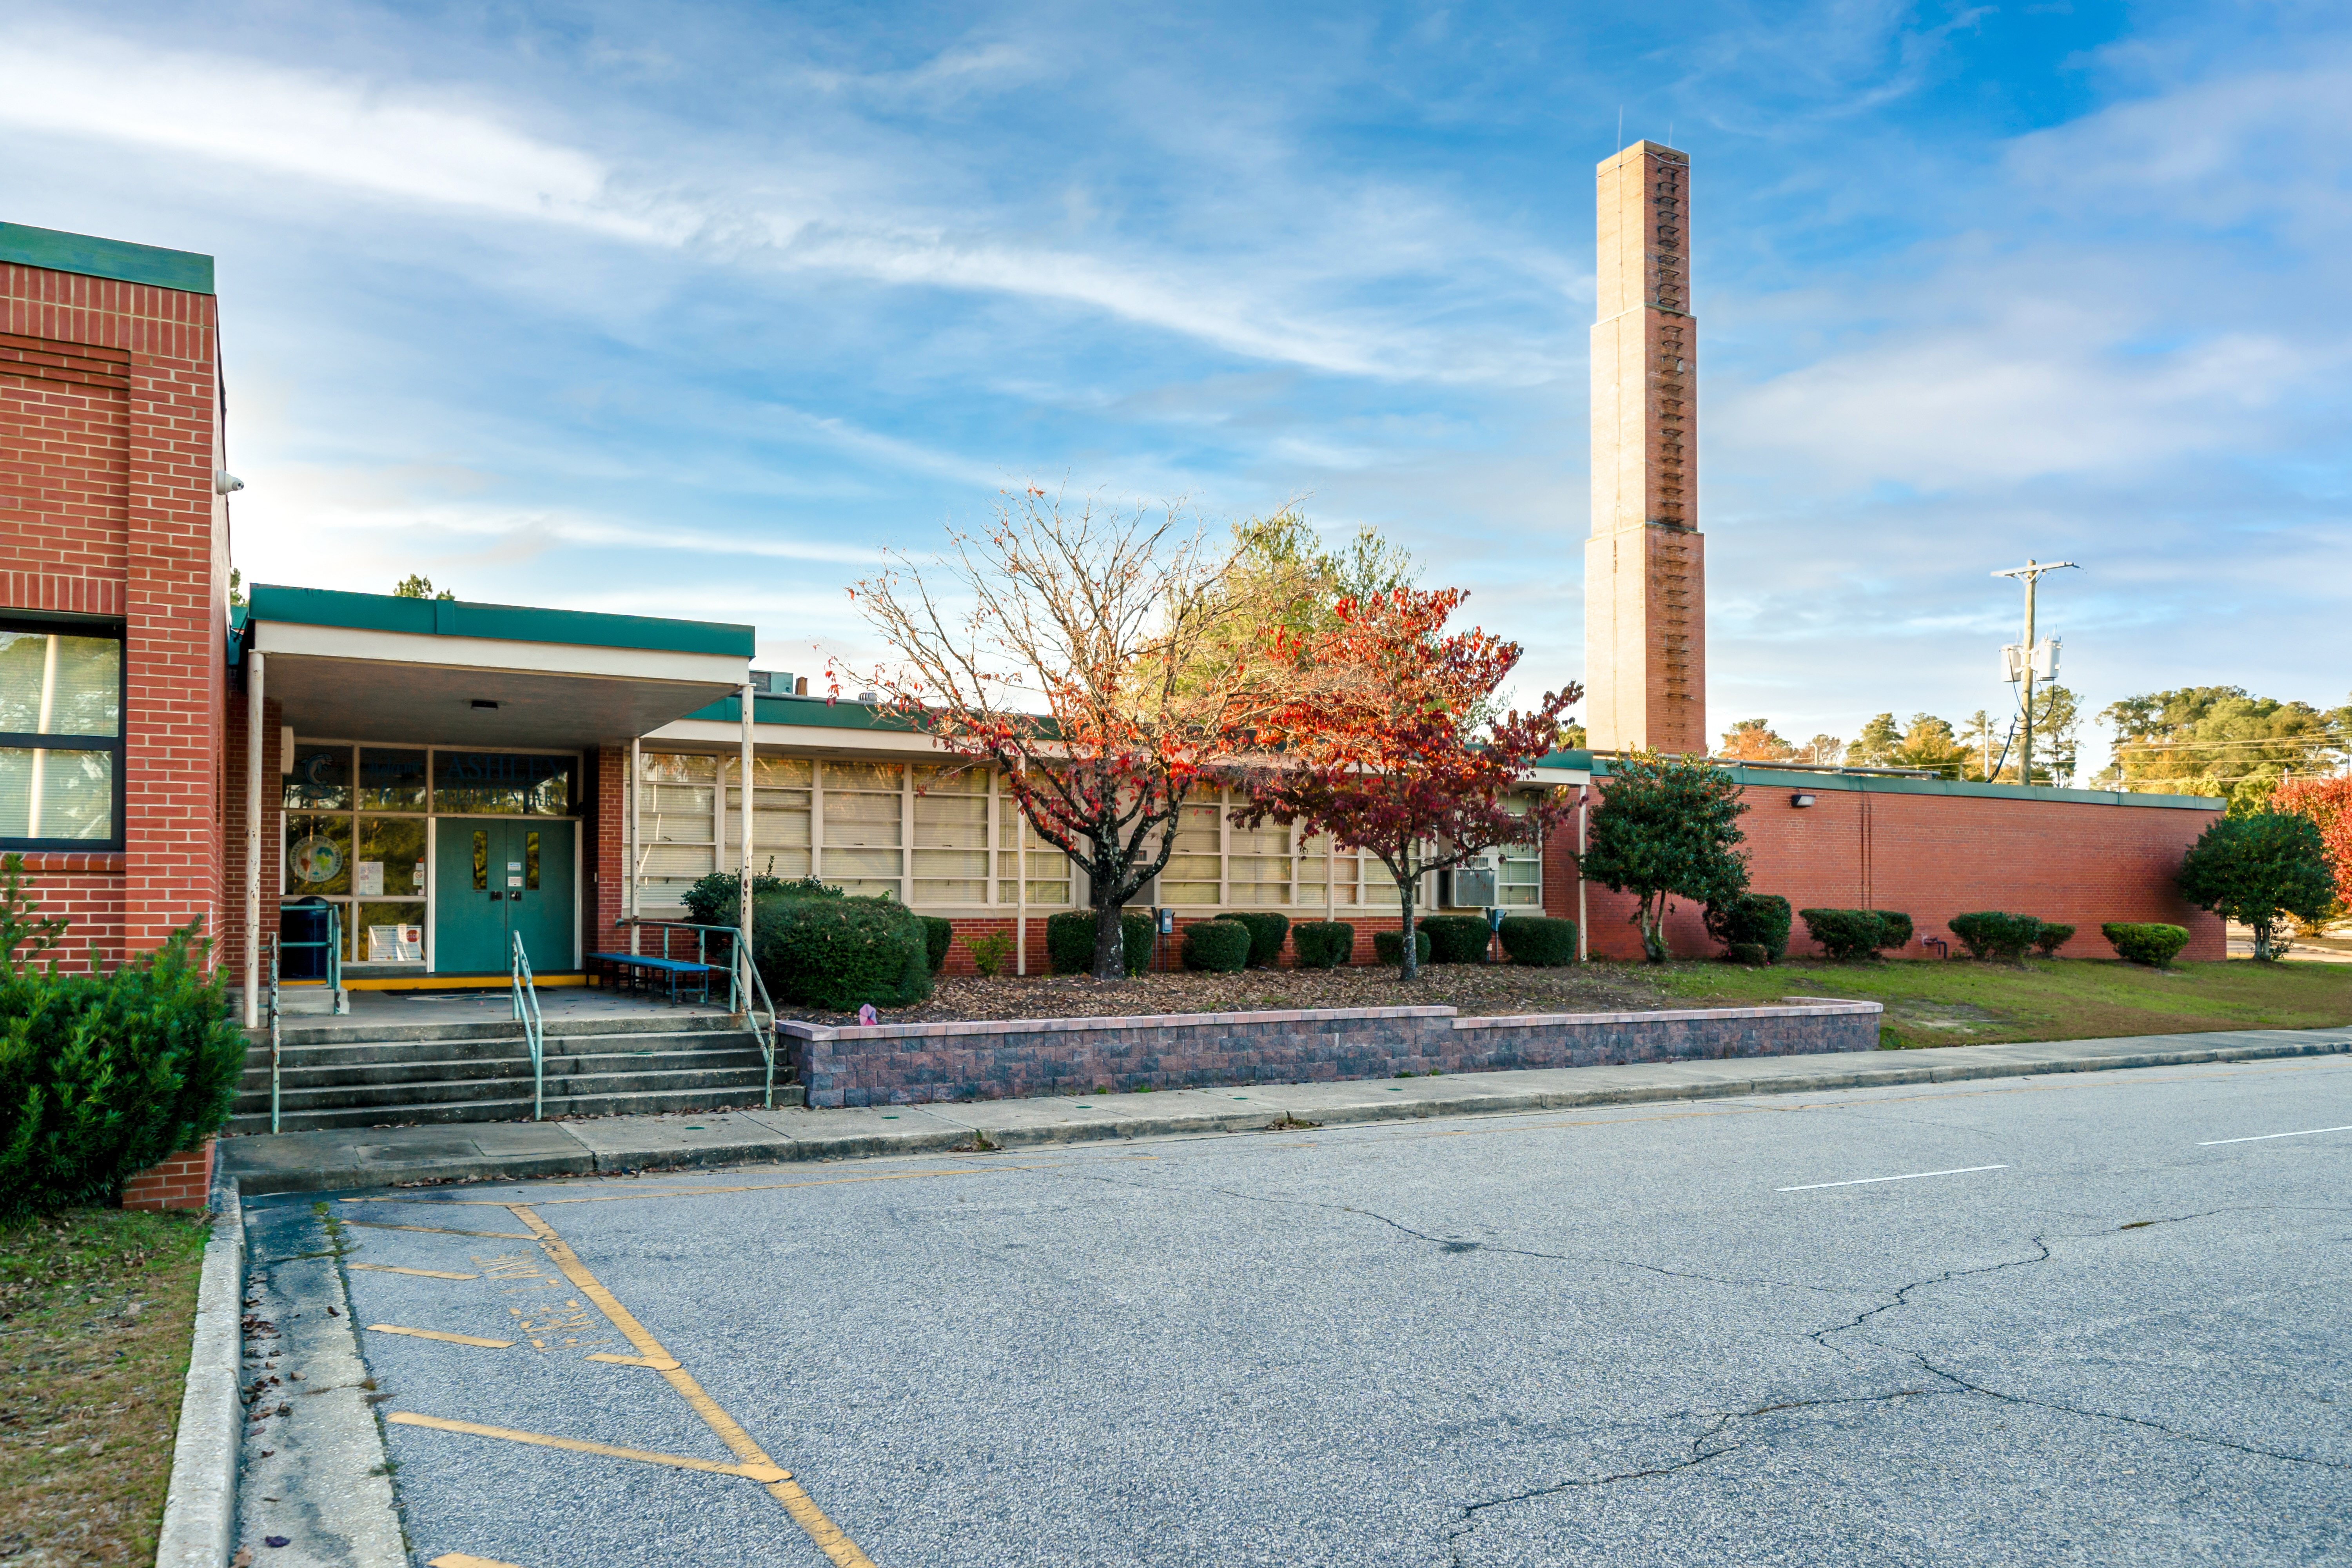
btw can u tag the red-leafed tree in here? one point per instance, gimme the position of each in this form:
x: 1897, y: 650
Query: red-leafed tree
x: 1077, y: 650
x: 2329, y: 803
x: 1378, y: 737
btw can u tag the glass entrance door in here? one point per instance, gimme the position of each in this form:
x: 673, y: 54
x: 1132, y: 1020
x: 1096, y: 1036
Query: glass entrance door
x: 493, y: 879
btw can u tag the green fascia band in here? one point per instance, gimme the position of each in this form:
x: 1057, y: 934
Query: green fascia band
x: 500, y: 623
x: 116, y: 259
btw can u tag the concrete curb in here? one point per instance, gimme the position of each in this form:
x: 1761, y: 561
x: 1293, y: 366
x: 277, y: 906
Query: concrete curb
x: 200, y: 1510
x: 781, y: 1137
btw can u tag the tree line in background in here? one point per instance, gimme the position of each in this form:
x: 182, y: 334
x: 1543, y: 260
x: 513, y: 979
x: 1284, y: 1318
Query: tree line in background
x: 2200, y: 739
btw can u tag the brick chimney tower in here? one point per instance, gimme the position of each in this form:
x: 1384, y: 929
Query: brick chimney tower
x: 1644, y: 570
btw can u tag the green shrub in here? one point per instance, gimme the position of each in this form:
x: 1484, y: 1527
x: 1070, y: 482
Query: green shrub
x: 1266, y: 931
x: 1539, y: 940
x: 102, y: 1076
x: 1388, y: 946
x: 1070, y: 941
x: 839, y: 953
x: 1322, y: 944
x: 1990, y: 934
x: 1753, y: 955
x: 1849, y: 934
x: 988, y: 953
x: 2052, y: 937
x: 1456, y: 938
x: 939, y: 935
x: 715, y: 900
x: 1754, y: 920
x: 1219, y: 946
x: 2258, y: 870
x: 2151, y: 944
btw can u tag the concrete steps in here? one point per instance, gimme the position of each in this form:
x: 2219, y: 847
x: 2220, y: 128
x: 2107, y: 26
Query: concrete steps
x: 402, y: 1073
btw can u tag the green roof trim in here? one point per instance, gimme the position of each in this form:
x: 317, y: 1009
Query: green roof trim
x: 1799, y: 780
x: 500, y: 623
x: 804, y: 713
x: 116, y: 259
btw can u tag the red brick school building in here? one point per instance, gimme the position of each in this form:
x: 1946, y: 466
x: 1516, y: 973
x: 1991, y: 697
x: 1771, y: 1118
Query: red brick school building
x: 451, y: 778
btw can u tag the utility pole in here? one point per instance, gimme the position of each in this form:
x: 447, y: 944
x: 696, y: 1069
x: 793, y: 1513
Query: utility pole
x: 2027, y: 660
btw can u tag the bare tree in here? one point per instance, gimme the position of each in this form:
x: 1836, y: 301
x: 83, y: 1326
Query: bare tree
x: 1069, y: 648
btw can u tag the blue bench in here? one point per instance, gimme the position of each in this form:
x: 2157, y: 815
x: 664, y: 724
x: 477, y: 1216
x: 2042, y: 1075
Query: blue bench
x: 646, y: 966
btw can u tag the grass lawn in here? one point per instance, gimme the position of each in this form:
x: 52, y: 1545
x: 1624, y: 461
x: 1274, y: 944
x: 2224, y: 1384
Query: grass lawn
x: 1933, y: 1003
x: 96, y: 1308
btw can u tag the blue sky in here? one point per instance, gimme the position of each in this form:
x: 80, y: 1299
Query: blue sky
x: 695, y: 310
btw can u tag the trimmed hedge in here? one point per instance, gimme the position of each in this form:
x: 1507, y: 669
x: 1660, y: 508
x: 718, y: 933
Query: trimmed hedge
x: 1990, y: 934
x: 1388, y: 946
x: 2151, y: 944
x: 1752, y: 919
x: 1849, y: 934
x: 842, y: 953
x: 1322, y: 944
x: 939, y: 931
x: 1752, y: 954
x: 1266, y: 931
x: 1219, y: 946
x: 2052, y: 937
x: 714, y: 899
x: 1070, y: 941
x: 1538, y: 940
x: 1456, y: 938
x: 102, y: 1076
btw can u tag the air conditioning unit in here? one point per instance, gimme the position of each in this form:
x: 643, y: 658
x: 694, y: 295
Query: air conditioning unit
x: 1467, y: 887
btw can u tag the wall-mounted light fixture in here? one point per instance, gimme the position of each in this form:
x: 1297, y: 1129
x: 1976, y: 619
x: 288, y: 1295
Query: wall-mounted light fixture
x: 1801, y: 800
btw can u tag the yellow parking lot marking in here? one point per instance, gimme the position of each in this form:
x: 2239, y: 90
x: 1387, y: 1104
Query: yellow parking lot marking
x: 420, y: 1273
x: 446, y: 1339
x: 439, y: 1230
x: 762, y: 1472
x: 661, y: 1363
x: 465, y: 1560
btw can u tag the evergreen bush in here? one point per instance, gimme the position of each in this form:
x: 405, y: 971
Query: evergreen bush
x: 1322, y: 944
x: 716, y: 899
x: 1456, y: 938
x: 2150, y: 944
x: 1753, y: 920
x: 1851, y: 934
x: 1266, y: 931
x: 840, y: 953
x: 2052, y: 937
x: 1070, y: 941
x: 1219, y: 946
x: 1753, y: 955
x: 102, y: 1076
x: 939, y: 935
x: 1538, y: 940
x: 1990, y: 934
x: 1388, y: 946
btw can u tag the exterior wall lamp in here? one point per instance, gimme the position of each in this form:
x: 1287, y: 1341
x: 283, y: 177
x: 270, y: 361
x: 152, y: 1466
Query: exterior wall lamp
x: 1801, y: 800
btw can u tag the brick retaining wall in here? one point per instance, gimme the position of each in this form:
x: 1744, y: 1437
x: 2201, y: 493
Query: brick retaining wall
x: 899, y: 1064
x: 183, y: 1182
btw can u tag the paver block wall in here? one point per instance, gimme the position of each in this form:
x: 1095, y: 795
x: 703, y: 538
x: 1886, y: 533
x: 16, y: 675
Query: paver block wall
x: 916, y: 1063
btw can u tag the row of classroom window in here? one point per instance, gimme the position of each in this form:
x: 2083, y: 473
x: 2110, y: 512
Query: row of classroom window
x: 940, y: 836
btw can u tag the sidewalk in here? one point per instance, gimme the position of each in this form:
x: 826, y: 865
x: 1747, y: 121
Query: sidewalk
x: 505, y: 1151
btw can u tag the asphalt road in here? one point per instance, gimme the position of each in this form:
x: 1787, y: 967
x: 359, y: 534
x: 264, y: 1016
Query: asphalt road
x: 1654, y: 1335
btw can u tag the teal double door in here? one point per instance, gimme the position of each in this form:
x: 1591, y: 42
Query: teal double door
x: 494, y: 879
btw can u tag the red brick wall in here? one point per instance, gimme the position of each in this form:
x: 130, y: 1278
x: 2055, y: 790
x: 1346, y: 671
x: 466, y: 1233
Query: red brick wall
x: 183, y: 1182
x: 232, y: 815
x: 1933, y: 857
x: 109, y: 436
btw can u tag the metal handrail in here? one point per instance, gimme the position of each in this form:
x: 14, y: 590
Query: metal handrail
x: 534, y: 1026
x: 276, y: 1049
x: 334, y: 946
x: 739, y: 994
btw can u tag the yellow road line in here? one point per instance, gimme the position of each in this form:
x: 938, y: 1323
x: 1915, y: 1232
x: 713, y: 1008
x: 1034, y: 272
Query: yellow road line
x: 465, y: 1560
x: 446, y: 1339
x: 761, y: 1472
x: 827, y: 1535
x: 678, y: 1192
x: 420, y: 1273
x: 664, y: 1364
x: 439, y: 1230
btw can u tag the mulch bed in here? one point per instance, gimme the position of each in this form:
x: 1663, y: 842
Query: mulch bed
x: 1475, y: 990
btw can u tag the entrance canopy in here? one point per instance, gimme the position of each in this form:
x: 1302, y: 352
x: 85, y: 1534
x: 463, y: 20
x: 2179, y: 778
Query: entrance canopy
x: 369, y: 667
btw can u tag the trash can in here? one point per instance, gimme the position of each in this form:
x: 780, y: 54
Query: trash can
x: 302, y: 920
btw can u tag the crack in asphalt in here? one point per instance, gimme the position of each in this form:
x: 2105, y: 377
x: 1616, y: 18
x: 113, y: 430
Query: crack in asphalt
x: 1903, y: 1294
x: 1717, y: 1424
